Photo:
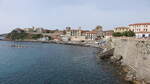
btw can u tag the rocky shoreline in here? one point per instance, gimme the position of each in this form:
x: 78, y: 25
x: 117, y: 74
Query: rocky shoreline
x: 126, y: 71
x: 62, y: 42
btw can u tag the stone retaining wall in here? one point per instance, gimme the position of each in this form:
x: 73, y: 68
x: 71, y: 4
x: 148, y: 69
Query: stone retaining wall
x: 135, y: 54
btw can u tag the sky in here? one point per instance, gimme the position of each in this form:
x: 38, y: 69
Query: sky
x: 57, y: 14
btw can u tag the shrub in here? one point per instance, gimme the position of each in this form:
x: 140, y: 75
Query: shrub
x: 130, y: 33
x: 17, y: 35
x: 37, y: 36
x: 117, y: 34
x: 126, y: 33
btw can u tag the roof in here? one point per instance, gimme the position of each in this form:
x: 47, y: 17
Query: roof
x: 139, y: 24
x: 91, y: 32
x: 142, y: 32
x: 122, y: 28
x: 84, y: 31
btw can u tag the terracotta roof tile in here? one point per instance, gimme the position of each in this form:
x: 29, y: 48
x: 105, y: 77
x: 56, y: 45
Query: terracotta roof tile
x: 91, y: 32
x: 139, y: 24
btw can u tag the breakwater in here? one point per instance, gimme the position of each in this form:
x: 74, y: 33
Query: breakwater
x: 133, y: 55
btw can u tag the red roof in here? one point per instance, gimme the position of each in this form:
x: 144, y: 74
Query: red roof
x: 91, y: 32
x: 139, y: 24
x: 84, y: 31
x: 144, y: 32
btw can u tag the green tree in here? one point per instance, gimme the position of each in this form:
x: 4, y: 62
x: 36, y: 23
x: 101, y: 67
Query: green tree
x: 37, y: 36
x: 130, y: 34
x: 126, y: 33
x: 49, y: 38
x: 17, y: 35
x: 117, y: 34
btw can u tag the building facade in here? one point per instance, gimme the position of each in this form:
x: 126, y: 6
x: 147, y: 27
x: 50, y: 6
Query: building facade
x: 121, y: 29
x: 74, y: 34
x: 34, y: 30
x: 108, y: 33
x: 83, y: 35
x: 91, y: 35
x: 141, y: 29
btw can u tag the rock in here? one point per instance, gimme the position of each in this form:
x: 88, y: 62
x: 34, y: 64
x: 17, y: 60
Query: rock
x: 125, y: 69
x: 107, y: 54
x: 138, y: 82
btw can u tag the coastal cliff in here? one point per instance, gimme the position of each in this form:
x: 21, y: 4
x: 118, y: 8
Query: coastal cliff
x: 133, y: 55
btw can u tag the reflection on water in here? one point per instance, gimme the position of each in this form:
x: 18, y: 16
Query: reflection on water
x: 16, y: 46
x: 38, y: 63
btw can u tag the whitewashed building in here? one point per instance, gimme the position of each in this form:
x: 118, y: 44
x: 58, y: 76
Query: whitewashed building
x: 91, y: 35
x: 83, y: 35
x: 141, y: 29
x: 74, y: 34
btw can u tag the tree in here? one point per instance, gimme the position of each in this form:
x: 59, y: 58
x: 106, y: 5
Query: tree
x: 37, y: 36
x: 126, y: 33
x: 117, y: 34
x: 130, y: 33
x: 49, y: 38
x: 17, y: 34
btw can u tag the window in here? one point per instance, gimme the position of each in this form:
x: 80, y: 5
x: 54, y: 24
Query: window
x: 143, y: 35
x: 133, y: 30
x: 145, y: 29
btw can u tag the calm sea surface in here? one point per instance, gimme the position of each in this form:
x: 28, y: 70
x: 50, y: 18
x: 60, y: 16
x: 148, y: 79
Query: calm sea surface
x: 38, y: 63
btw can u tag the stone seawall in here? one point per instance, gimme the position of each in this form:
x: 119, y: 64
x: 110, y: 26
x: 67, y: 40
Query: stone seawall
x: 135, y: 55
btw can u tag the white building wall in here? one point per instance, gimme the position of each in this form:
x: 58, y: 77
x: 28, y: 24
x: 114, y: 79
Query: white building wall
x: 149, y: 28
x: 141, y: 30
x: 140, y: 35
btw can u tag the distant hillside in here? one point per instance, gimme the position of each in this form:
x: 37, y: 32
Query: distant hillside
x: 4, y: 34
